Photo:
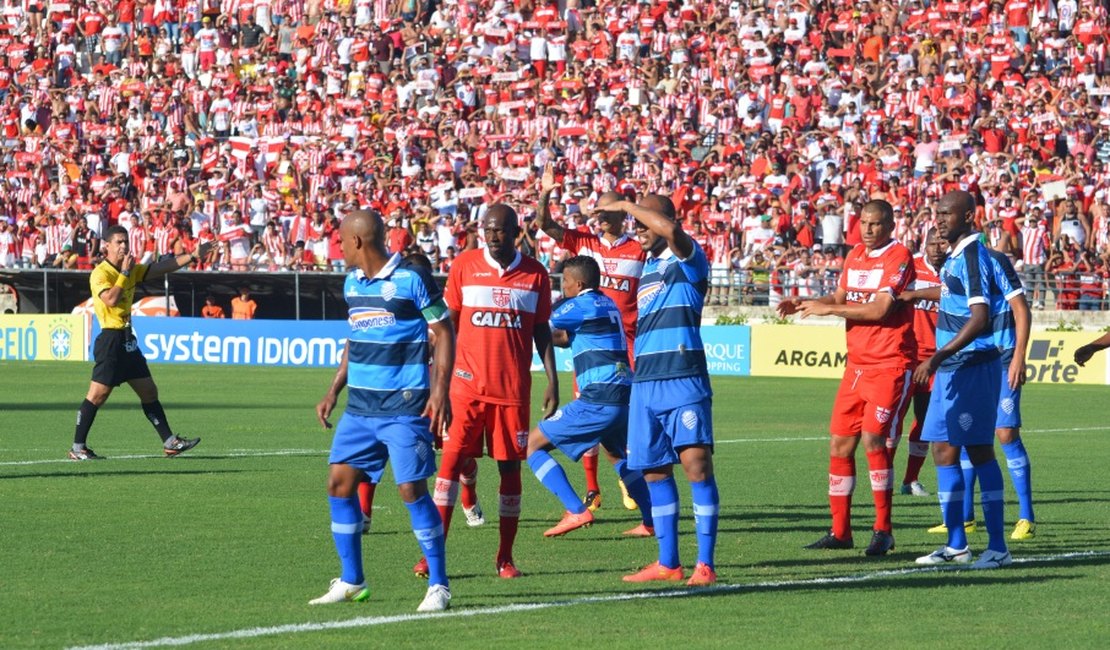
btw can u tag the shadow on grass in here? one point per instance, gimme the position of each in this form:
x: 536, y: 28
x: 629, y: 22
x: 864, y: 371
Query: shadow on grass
x: 123, y: 403
x: 121, y: 472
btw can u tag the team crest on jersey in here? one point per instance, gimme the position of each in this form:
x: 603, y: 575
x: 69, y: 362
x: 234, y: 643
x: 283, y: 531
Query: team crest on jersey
x: 882, y: 415
x: 1007, y: 406
x: 389, y: 290
x: 663, y: 266
x: 689, y: 419
x: 502, y: 297
x: 965, y: 420
x: 611, y: 266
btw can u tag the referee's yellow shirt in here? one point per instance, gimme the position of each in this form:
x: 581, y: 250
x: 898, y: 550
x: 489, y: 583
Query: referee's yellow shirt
x: 103, y: 278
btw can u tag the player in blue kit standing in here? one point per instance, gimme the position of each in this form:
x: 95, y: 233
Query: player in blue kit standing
x: 670, y: 410
x: 590, y: 323
x: 963, y: 405
x: 393, y: 405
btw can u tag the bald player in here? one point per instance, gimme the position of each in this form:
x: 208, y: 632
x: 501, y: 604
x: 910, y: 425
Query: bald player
x: 393, y: 402
x: 621, y: 260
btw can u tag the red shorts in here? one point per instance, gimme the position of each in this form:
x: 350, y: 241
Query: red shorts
x: 503, y: 429
x: 872, y: 400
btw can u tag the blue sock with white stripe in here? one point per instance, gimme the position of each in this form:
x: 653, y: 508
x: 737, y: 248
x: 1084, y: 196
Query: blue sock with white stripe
x: 968, y: 471
x: 637, y: 489
x: 428, y: 528
x: 346, y: 529
x: 990, y: 485
x: 664, y: 510
x: 1017, y: 461
x: 707, y: 503
x: 950, y: 491
x: 551, y: 474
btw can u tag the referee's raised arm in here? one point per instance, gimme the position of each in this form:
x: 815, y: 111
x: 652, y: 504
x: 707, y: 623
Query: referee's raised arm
x: 171, y: 264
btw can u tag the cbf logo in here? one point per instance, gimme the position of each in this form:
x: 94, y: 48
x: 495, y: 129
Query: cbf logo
x: 61, y: 340
x: 502, y: 297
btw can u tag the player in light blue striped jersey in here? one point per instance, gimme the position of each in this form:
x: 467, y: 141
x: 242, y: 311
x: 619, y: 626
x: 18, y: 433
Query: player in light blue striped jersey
x: 670, y: 417
x: 590, y: 323
x: 964, y: 401
x: 393, y: 402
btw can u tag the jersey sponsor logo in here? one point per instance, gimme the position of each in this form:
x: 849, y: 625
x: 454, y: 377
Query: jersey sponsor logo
x: 462, y: 374
x: 648, y: 293
x: 371, y: 319
x: 388, y: 291
x: 502, y: 297
x: 616, y: 284
x: 862, y: 297
x: 495, y: 319
x: 869, y: 279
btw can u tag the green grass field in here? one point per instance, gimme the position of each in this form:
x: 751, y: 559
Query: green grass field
x: 225, y: 546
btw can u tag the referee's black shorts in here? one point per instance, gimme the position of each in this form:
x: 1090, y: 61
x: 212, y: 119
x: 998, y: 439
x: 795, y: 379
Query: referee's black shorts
x: 118, y: 358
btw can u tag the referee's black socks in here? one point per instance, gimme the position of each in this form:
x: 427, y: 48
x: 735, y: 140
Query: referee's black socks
x: 157, y: 417
x: 86, y: 413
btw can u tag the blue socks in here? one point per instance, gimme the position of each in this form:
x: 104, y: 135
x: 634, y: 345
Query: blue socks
x: 1017, y: 461
x: 950, y: 492
x: 551, y: 474
x: 706, y: 506
x: 428, y: 528
x: 637, y: 489
x: 346, y: 529
x: 664, y: 510
x: 968, y: 471
x: 990, y: 484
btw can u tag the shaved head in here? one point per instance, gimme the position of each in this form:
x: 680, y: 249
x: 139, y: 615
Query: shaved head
x: 504, y: 216
x: 660, y: 204
x: 365, y: 225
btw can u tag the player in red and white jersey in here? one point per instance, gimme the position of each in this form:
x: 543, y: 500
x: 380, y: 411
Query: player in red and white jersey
x: 500, y: 302
x: 621, y: 259
x: 925, y: 308
x: 882, y: 352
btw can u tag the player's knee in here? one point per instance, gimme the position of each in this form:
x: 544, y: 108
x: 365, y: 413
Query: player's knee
x: 980, y: 454
x: 412, y: 492
x: 1007, y: 435
x: 508, y: 466
x: 537, y: 441
x: 697, y: 462
x: 342, y: 484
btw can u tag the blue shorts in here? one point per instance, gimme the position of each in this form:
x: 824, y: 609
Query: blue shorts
x: 367, y: 443
x: 665, y: 416
x: 1009, y: 402
x: 578, y: 426
x: 963, y: 406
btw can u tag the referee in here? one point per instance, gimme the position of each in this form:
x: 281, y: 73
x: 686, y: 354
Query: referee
x: 116, y: 352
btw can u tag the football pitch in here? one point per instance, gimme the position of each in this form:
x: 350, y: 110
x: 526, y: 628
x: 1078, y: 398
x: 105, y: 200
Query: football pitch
x: 224, y: 546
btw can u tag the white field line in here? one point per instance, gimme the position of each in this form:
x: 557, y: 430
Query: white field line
x: 376, y: 621
x: 262, y: 453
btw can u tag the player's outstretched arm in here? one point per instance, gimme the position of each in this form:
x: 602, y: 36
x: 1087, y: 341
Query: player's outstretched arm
x: 677, y: 240
x: 980, y: 320
x: 1023, y: 321
x: 543, y: 207
x: 327, y: 405
x: 171, y: 264
x: 542, y: 338
x: 930, y: 293
x: 1085, y: 352
x: 438, y: 409
x: 875, y: 311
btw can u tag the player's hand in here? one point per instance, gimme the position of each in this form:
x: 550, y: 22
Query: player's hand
x: 1084, y: 354
x: 812, y: 308
x: 1017, y: 372
x: 788, y: 307
x: 127, y: 263
x: 606, y: 204
x: 924, y: 371
x: 324, y: 409
x: 438, y: 411
x: 550, y: 401
x: 204, y: 249
x: 547, y: 181
x: 907, y: 296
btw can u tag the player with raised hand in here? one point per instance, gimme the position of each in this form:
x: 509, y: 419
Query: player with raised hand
x: 589, y: 322
x: 670, y: 408
x: 116, y: 351
x: 875, y: 388
x: 621, y: 260
x: 964, y: 404
x: 500, y: 302
x: 1084, y: 353
x: 923, y: 295
x: 393, y: 402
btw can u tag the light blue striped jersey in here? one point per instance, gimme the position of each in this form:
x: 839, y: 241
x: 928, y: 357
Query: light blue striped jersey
x: 387, y: 364
x: 668, y: 329
x: 965, y: 281
x: 593, y: 324
x: 1005, y: 285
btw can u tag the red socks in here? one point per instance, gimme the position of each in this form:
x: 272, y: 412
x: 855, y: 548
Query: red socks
x: 842, y: 481
x: 509, y: 514
x: 366, y: 497
x: 589, y: 463
x: 882, y: 486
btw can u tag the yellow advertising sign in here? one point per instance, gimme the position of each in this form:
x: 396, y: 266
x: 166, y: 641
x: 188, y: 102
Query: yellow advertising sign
x: 798, y: 351
x: 1051, y: 355
x: 43, y: 337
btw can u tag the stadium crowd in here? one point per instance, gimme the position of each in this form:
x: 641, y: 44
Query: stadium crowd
x: 259, y: 124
